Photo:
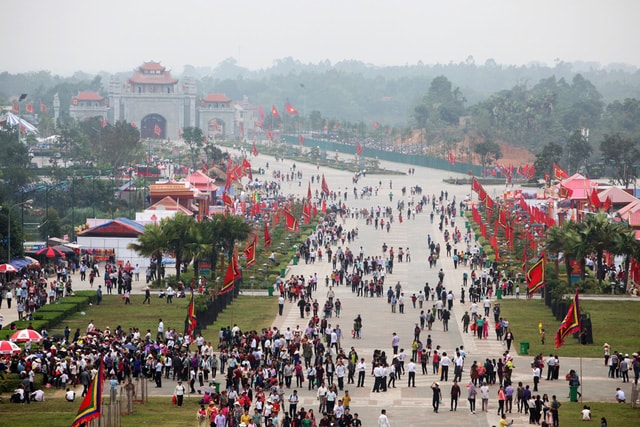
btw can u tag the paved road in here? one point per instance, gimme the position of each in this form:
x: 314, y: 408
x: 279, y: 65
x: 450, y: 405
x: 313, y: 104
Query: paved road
x: 408, y: 406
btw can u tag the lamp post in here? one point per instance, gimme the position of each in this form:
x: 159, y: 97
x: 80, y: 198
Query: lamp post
x: 26, y: 202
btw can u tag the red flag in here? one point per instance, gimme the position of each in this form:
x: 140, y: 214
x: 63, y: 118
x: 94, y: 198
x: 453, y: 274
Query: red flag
x: 179, y: 133
x: 452, y: 158
x: 571, y: 322
x: 301, y: 139
x: 255, y: 149
x: 309, y: 191
x: 324, y: 206
x: 216, y: 126
x: 229, y: 278
x: 535, y: 276
x: 91, y: 406
x: 564, y: 192
x: 261, y: 114
x: 205, y: 168
x: 16, y: 108
x: 157, y: 130
x: 43, y: 107
x: 559, y: 173
x: 274, y: 112
x: 241, y: 127
x: 607, y: 204
x: 325, y: 187
x: 375, y: 125
x: 104, y: 122
x: 190, y: 322
x: 133, y: 125
x: 290, y: 110
x: 291, y: 221
x: 267, y: 237
x: 306, y: 211
x: 29, y: 108
x: 475, y: 185
x: 246, y: 164
x: 314, y: 212
x: 358, y: 148
x: 594, y: 199
x: 228, y: 201
x: 250, y: 251
x: 270, y: 135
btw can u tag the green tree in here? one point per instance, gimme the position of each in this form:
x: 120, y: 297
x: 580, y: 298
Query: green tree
x: 488, y: 151
x: 194, y: 138
x: 196, y: 247
x: 551, y: 153
x: 152, y: 243
x: 578, y: 150
x: 626, y: 244
x: 14, y: 162
x: 119, y: 144
x: 621, y: 154
x: 176, y: 229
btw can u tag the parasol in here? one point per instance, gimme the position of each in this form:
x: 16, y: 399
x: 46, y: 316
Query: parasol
x: 7, y: 347
x: 8, y: 268
x: 50, y: 252
x: 25, y: 335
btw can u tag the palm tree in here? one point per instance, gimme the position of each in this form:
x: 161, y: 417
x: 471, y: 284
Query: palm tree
x: 196, y: 247
x: 176, y: 230
x: 152, y: 243
x: 557, y: 240
x: 598, y: 235
x: 625, y: 243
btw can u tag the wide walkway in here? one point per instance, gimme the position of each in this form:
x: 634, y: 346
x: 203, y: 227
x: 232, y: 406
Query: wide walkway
x: 407, y: 406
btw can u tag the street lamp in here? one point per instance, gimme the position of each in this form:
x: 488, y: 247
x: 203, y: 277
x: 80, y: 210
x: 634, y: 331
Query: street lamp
x: 26, y: 202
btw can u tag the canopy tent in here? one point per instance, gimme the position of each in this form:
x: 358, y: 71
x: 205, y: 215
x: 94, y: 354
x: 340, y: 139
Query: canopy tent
x: 21, y: 263
x: 12, y: 120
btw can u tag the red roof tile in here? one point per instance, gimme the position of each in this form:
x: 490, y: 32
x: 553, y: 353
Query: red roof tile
x: 88, y: 96
x: 216, y: 97
x: 152, y: 66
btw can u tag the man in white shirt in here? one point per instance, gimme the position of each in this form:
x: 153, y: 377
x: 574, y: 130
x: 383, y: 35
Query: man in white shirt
x: 383, y: 421
x: 620, y: 397
x: 445, y: 361
x: 70, y: 395
x: 361, y: 367
x: 411, y: 368
x: 322, y: 398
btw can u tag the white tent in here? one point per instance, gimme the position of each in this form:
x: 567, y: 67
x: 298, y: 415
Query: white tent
x: 13, y: 120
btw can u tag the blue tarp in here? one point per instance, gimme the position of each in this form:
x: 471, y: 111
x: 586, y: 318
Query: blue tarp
x: 20, y: 263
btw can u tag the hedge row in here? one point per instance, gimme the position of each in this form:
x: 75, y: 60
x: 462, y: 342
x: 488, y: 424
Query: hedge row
x: 50, y: 315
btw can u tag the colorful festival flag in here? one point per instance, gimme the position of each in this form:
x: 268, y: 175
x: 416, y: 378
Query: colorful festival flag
x: 571, y: 322
x: 190, y: 322
x: 274, y: 112
x: 267, y: 236
x: 91, y: 405
x: 325, y: 187
x: 291, y: 221
x: 229, y: 278
x: 290, y: 110
x: 250, y: 251
x: 559, y: 173
x: 535, y: 276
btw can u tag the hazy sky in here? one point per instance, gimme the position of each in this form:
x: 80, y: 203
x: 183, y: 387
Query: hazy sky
x: 64, y: 36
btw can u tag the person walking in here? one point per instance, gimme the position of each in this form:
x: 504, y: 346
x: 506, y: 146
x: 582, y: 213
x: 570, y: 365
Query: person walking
x: 383, y: 421
x: 455, y: 394
x: 179, y: 393
x: 437, y: 396
x: 471, y: 397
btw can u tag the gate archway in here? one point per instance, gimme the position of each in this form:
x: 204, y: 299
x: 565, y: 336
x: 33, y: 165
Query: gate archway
x: 153, y: 126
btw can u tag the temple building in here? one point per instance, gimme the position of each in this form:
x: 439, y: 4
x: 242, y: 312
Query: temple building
x: 156, y: 103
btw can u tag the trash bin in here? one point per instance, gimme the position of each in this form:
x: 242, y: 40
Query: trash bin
x: 283, y: 272
x: 270, y: 290
x: 524, y: 347
x: 499, y: 293
x: 573, y: 393
x: 295, y: 260
x: 217, y: 386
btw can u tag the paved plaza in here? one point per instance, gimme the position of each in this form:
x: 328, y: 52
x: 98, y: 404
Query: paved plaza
x: 407, y: 406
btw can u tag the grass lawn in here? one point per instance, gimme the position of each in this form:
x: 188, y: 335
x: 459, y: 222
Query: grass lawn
x: 616, y: 414
x: 247, y: 311
x: 610, y: 320
x: 56, y: 412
